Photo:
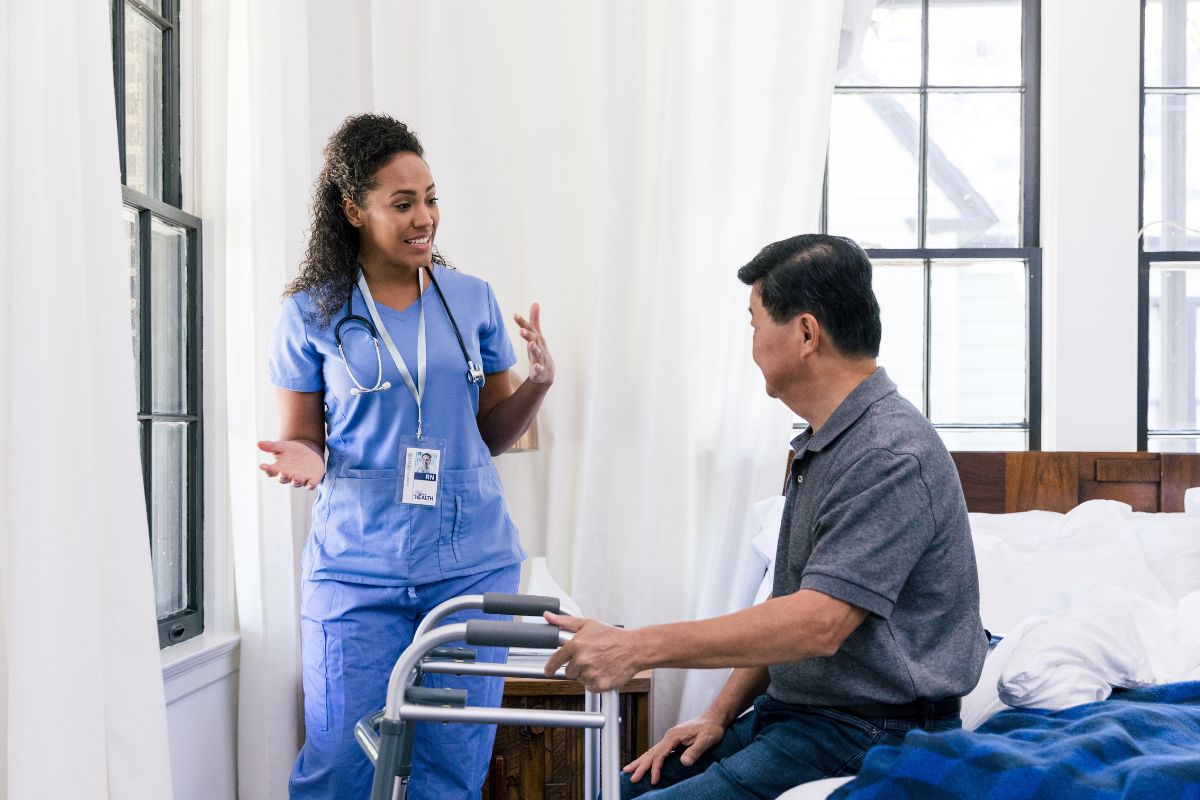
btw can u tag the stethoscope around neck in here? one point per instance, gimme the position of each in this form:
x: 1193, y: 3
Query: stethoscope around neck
x: 474, y: 371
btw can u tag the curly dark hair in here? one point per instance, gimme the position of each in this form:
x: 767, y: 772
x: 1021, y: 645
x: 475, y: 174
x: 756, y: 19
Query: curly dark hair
x: 353, y: 156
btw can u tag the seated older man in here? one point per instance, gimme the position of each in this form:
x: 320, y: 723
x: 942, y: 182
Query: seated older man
x: 873, y: 626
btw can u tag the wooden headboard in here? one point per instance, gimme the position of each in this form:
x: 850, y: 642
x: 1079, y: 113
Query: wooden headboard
x: 1006, y: 482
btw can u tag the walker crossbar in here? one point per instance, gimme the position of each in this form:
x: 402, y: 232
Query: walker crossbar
x: 489, y: 669
x: 390, y: 749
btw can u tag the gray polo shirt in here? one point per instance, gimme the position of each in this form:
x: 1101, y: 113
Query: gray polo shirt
x: 875, y: 516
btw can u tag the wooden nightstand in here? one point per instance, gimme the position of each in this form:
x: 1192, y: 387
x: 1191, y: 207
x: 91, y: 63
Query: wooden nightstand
x: 535, y: 763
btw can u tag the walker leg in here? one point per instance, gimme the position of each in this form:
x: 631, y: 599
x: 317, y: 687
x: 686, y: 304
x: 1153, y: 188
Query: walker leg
x: 610, y: 752
x: 391, y: 748
x: 591, y: 702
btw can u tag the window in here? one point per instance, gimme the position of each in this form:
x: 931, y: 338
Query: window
x: 164, y: 273
x: 933, y: 169
x: 1169, y: 247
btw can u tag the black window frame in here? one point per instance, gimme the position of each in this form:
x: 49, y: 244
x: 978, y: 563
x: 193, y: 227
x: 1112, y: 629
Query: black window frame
x: 189, y: 621
x: 1148, y: 257
x: 1030, y: 251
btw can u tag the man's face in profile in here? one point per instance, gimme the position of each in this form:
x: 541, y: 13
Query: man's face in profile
x: 770, y: 344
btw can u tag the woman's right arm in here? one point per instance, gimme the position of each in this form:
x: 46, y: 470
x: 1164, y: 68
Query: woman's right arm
x: 300, y: 452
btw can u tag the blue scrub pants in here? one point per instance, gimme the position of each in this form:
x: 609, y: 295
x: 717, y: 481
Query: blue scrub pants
x: 350, y: 637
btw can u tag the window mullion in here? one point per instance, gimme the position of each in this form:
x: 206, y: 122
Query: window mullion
x: 923, y: 131
x: 118, y: 43
x: 927, y: 350
x: 172, y: 188
x: 145, y: 362
x: 1033, y: 343
x: 1030, y: 186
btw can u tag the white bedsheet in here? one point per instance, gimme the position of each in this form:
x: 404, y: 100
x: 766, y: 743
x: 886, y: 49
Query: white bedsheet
x: 815, y: 790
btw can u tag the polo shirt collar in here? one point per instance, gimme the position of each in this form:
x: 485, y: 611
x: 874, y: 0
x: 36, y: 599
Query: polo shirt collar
x: 874, y: 387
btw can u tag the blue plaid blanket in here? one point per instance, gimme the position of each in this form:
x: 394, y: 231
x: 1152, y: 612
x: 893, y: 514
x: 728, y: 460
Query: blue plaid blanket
x: 1142, y: 744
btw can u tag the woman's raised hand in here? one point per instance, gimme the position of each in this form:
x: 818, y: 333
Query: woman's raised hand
x: 541, y: 365
x: 296, y: 462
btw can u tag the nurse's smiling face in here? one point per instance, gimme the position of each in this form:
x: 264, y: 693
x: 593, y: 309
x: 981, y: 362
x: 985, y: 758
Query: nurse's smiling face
x: 399, y: 219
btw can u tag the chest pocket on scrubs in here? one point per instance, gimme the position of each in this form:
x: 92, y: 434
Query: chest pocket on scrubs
x: 473, y: 518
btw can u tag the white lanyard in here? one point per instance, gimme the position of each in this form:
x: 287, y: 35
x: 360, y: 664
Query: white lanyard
x: 417, y: 390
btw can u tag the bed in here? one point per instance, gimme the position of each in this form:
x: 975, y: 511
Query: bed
x: 1090, y: 570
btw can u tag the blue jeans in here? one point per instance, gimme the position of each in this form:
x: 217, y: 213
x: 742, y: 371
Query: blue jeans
x: 774, y: 747
x: 351, y: 636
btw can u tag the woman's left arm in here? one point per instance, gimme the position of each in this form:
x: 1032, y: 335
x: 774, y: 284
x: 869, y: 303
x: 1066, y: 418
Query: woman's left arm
x: 506, y: 412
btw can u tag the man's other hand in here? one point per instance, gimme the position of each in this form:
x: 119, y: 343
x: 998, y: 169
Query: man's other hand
x: 697, y: 735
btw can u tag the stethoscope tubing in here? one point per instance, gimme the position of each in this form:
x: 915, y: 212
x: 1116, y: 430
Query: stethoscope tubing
x: 475, y: 373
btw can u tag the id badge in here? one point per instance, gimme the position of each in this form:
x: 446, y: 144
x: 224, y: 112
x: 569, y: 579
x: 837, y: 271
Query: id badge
x: 422, y: 470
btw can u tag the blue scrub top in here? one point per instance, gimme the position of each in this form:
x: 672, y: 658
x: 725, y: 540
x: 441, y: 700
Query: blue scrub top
x: 359, y: 532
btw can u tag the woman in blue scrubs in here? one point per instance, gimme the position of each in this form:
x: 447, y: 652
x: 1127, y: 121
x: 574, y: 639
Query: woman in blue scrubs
x: 398, y: 440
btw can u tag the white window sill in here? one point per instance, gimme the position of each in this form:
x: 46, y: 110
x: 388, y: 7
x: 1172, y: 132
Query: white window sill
x: 192, y: 665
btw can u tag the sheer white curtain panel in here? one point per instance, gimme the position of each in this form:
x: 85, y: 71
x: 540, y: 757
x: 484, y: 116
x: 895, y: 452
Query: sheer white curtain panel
x: 617, y: 162
x: 82, y: 711
x: 253, y: 184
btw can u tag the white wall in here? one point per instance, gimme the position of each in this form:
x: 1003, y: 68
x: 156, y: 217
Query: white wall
x: 1090, y: 107
x: 201, y: 690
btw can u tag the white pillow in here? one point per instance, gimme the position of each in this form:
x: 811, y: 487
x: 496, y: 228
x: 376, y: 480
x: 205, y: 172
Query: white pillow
x: 1022, y: 571
x: 1093, y: 638
x: 1017, y: 526
x: 1076, y: 656
x: 1171, y: 544
x: 769, y: 515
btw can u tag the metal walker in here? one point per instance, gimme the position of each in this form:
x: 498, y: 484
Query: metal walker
x: 387, y: 736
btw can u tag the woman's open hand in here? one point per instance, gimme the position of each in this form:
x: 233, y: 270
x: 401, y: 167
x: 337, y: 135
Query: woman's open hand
x: 296, y: 462
x: 541, y: 365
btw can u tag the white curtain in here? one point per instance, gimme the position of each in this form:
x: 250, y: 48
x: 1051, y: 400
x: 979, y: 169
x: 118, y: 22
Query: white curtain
x: 252, y: 186
x: 617, y: 162
x: 82, y: 712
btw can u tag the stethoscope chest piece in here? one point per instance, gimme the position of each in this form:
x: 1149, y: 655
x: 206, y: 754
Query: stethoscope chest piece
x: 474, y: 374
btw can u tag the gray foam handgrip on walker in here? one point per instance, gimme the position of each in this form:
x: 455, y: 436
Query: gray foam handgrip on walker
x: 523, y: 605
x: 489, y: 633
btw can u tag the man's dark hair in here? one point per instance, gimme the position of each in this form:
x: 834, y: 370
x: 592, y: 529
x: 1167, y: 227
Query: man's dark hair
x: 826, y: 276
